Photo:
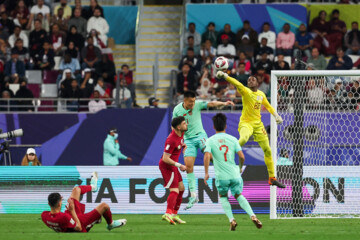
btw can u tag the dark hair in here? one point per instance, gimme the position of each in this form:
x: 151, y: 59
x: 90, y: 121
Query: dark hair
x: 97, y: 8
x: 16, y: 26
x: 190, y: 37
x: 241, y: 63
x: 246, y: 22
x: 219, y: 121
x: 335, y: 11
x: 190, y: 49
x: 124, y: 65
x: 266, y: 23
x: 354, y: 22
x: 189, y: 94
x: 177, y: 121
x: 286, y: 24
x: 54, y: 199
x: 37, y: 20
x: 192, y: 24
x: 211, y: 24
x: 19, y: 40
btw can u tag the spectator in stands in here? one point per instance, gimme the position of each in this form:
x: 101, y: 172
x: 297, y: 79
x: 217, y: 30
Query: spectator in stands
x: 83, y: 11
x: 45, y: 58
x: 243, y: 59
x: 99, y: 24
x: 60, y: 20
x: 37, y: 38
x: 280, y: 64
x: 87, y: 83
x: 204, y: 91
x: 23, y: 53
x: 352, y: 40
x: 317, y: 59
x: 90, y: 54
x: 340, y: 61
x: 339, y: 88
x: 44, y: 24
x: 246, y: 47
x: 185, y: 80
x: 21, y: 14
x: 75, y: 37
x: 67, y: 12
x: 105, y: 68
x: 4, y: 35
x: 6, y: 105
x: 73, y: 92
x: 128, y: 75
x: 70, y: 63
x: 79, y: 22
x: 350, y: 102
x: 285, y: 41
x: 191, y: 60
x: 24, y: 92
x: 247, y: 30
x: 14, y: 69
x: 192, y: 32
x: 18, y: 34
x: 39, y: 8
x: 263, y: 80
x: 103, y: 89
x: 337, y: 32
x: 320, y: 28
x: 240, y: 73
x: 112, y: 152
x: 6, y: 87
x: 210, y: 34
x: 264, y: 63
x: 269, y: 35
x: 7, y: 24
x: 153, y: 102
x: 208, y: 50
x: 30, y: 158
x: 124, y: 94
x: 91, y: 9
x: 57, y: 38
x: 65, y: 81
x: 190, y: 44
x: 265, y: 48
x: 71, y: 49
x: 96, y: 104
x: 229, y: 33
x: 5, y: 51
x: 303, y: 43
x: 226, y: 49
x: 315, y: 95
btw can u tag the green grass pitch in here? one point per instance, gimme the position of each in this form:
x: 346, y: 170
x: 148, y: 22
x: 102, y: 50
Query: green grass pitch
x: 198, y: 227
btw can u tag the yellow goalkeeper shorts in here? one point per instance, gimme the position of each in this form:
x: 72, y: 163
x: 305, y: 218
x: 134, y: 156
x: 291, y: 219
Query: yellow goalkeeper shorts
x: 256, y: 129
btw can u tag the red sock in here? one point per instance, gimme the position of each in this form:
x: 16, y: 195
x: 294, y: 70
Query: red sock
x: 108, y: 216
x: 85, y: 188
x: 171, y: 201
x: 178, y: 202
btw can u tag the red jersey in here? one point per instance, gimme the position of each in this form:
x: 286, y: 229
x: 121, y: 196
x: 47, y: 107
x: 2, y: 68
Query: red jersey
x: 59, y: 222
x: 173, y: 146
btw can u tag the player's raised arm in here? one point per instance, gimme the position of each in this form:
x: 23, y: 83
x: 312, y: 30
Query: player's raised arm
x: 239, y: 86
x: 271, y: 110
x: 218, y: 103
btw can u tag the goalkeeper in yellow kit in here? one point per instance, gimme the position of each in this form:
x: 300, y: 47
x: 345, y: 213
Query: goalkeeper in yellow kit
x: 250, y: 120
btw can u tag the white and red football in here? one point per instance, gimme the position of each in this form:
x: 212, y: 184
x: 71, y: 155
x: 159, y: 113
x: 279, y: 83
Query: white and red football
x: 221, y: 63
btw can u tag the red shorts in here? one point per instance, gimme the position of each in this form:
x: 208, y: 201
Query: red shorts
x: 171, y: 175
x: 87, y: 220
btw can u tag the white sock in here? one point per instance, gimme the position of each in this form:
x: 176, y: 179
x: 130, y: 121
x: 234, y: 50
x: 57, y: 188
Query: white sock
x: 193, y: 194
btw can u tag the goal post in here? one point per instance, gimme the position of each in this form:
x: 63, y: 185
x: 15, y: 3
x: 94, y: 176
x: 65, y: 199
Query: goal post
x: 316, y: 150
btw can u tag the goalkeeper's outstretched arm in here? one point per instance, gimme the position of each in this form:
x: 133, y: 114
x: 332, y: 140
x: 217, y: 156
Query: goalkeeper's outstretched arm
x: 271, y: 110
x: 239, y: 86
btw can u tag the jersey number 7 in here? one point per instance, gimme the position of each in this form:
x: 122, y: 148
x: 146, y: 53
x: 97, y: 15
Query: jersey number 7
x: 226, y: 151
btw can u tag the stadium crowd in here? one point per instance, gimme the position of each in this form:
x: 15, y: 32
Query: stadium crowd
x: 323, y: 45
x: 35, y: 35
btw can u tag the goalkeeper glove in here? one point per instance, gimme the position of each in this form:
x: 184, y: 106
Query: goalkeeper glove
x: 278, y: 119
x: 221, y: 74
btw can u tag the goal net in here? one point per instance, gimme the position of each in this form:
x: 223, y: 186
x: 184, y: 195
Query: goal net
x: 316, y: 149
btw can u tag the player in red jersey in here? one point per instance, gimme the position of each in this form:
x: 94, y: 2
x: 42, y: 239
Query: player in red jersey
x: 169, y: 164
x: 74, y: 219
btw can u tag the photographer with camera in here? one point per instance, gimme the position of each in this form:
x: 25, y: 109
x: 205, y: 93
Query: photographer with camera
x: 30, y: 158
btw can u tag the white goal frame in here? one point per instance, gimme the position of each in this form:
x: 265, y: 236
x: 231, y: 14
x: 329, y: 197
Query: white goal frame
x: 273, y: 125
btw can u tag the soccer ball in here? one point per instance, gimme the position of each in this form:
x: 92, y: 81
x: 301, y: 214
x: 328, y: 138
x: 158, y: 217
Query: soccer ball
x: 221, y: 63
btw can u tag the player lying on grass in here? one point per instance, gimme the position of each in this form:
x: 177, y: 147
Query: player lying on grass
x: 195, y: 137
x: 74, y: 219
x: 169, y: 164
x: 222, y: 148
x: 250, y: 120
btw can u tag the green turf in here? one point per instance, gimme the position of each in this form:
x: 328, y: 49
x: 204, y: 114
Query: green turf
x: 198, y: 227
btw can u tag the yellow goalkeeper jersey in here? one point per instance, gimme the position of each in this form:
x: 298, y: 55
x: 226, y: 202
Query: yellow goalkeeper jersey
x: 252, y: 102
